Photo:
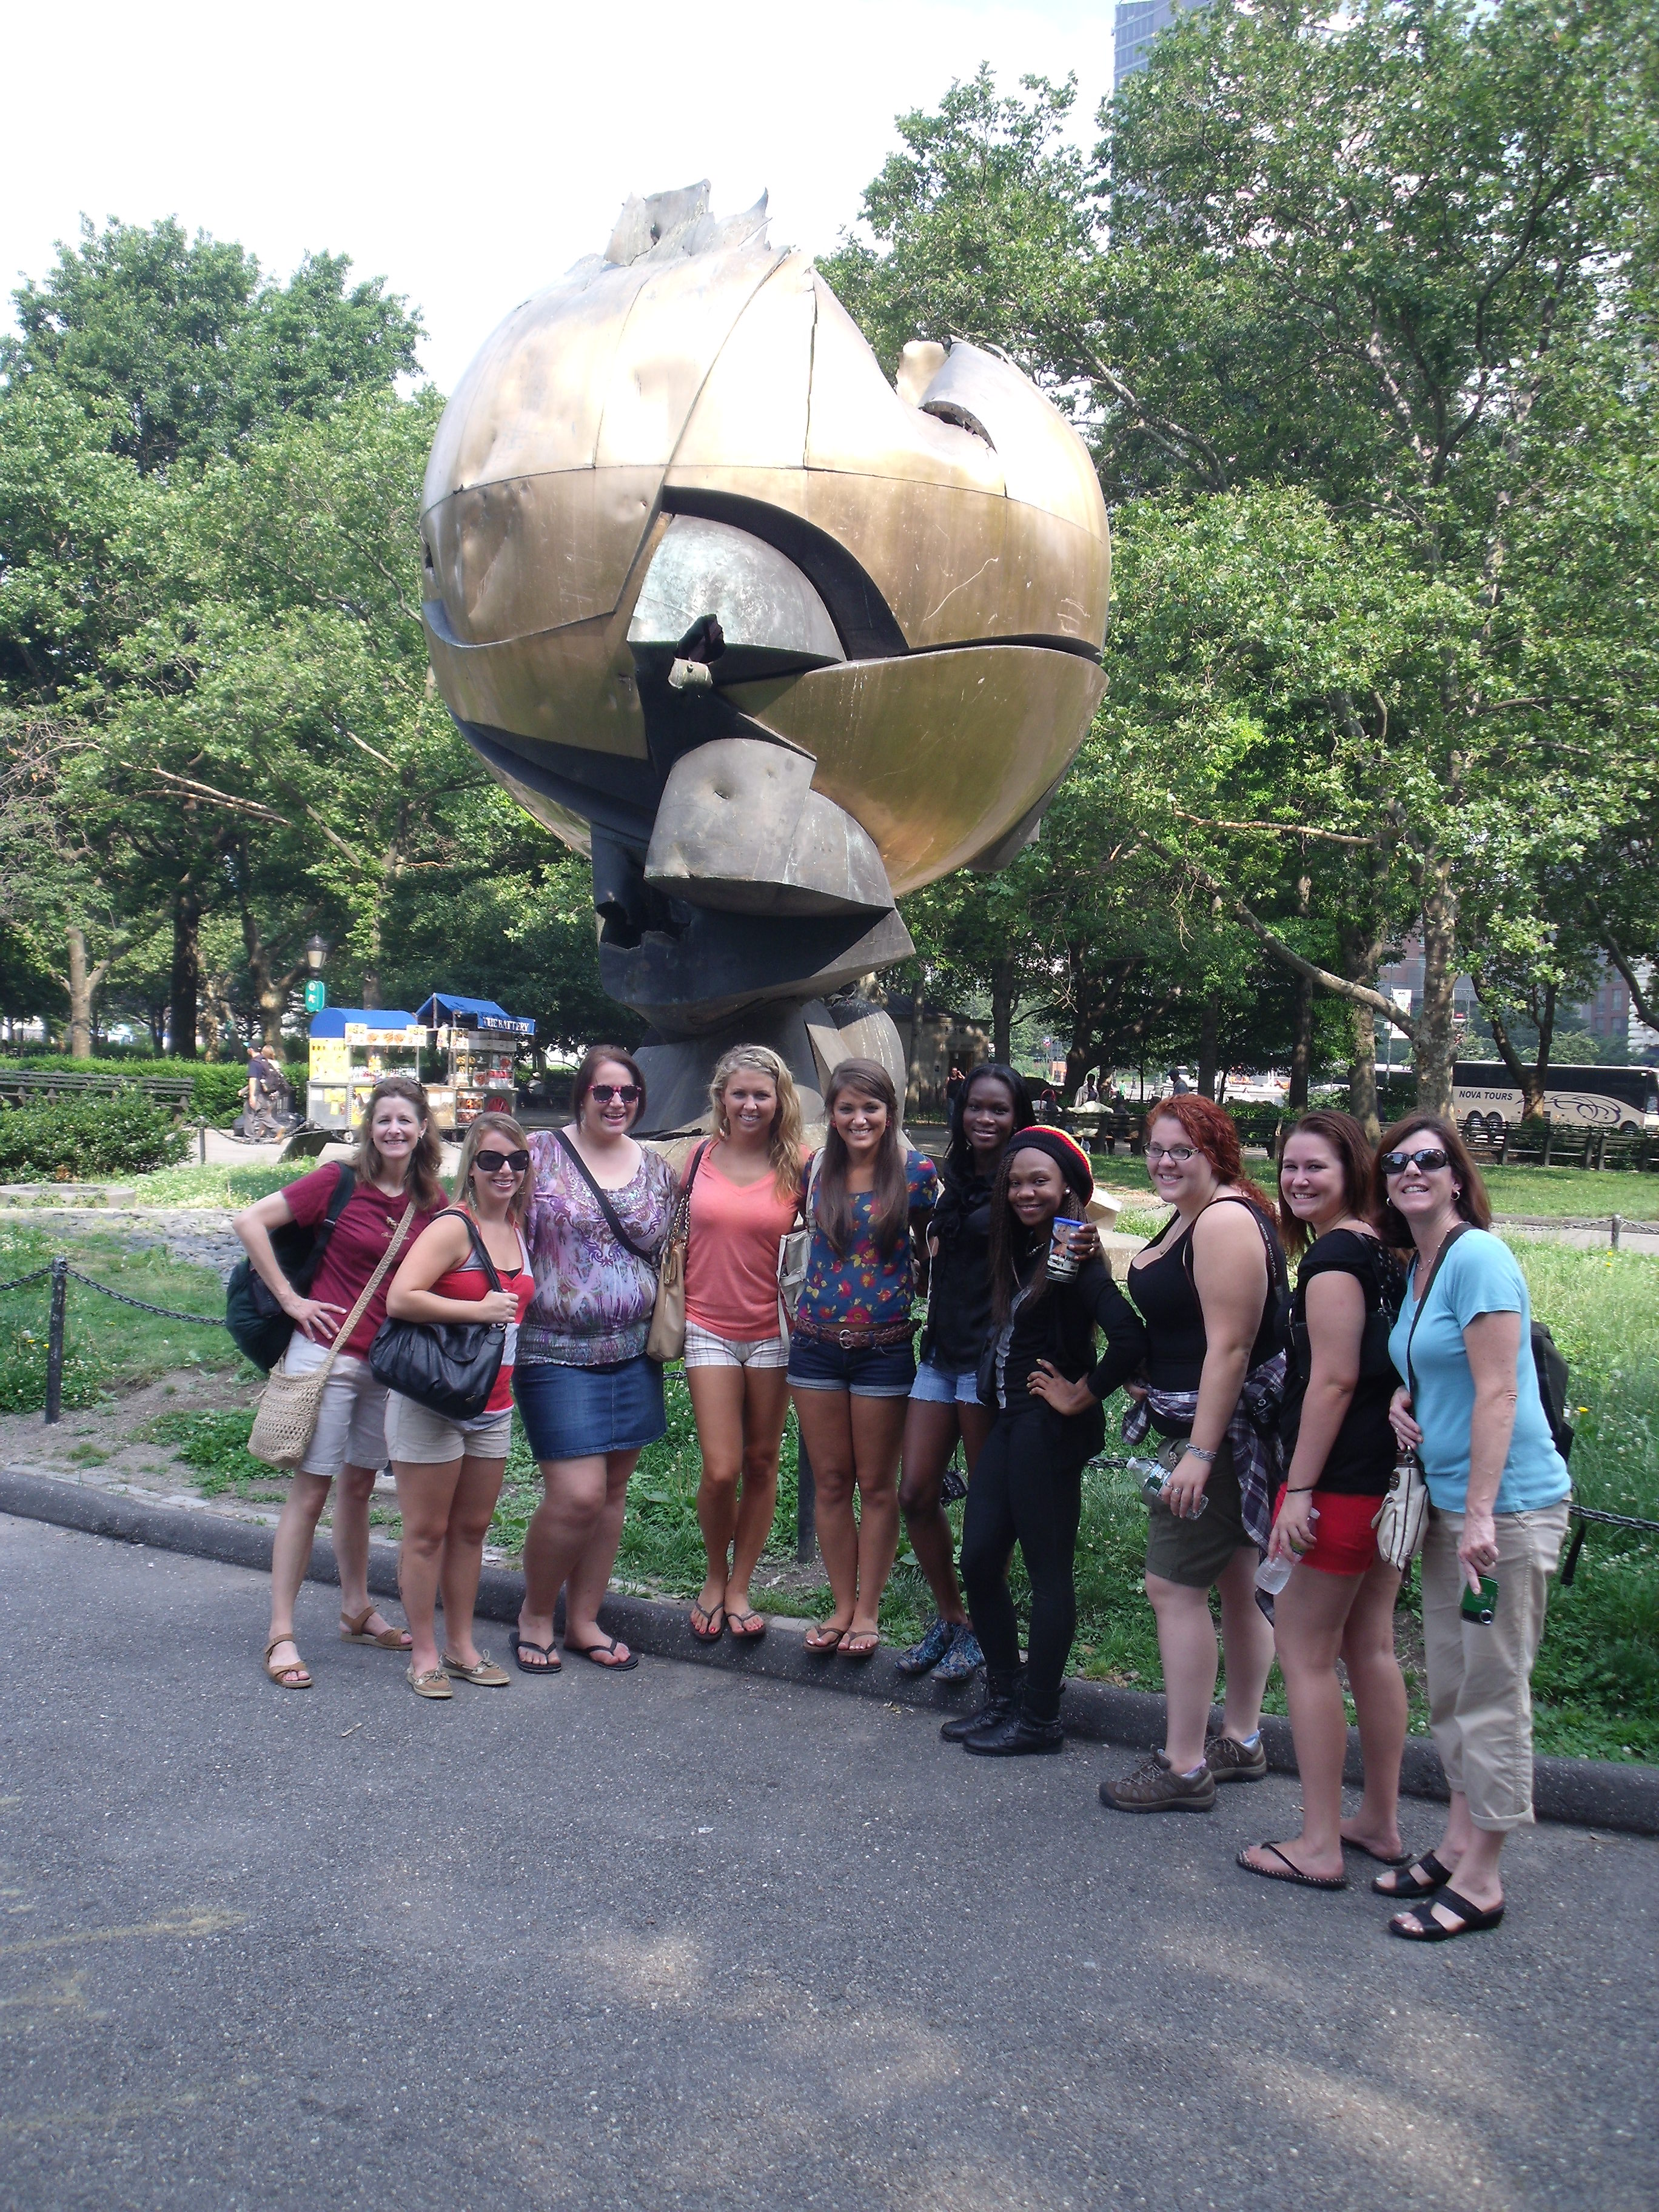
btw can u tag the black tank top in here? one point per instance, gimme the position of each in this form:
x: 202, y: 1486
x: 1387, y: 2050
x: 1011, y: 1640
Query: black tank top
x: 1167, y: 1297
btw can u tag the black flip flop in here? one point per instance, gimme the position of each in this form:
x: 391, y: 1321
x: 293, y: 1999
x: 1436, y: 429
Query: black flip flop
x: 710, y: 1615
x: 1439, y: 1876
x: 1292, y: 1872
x: 1471, y: 1920
x: 594, y: 1650
x: 746, y: 1635
x: 523, y: 1643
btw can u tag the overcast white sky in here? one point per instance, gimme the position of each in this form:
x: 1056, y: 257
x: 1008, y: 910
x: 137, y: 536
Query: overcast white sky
x: 469, y: 153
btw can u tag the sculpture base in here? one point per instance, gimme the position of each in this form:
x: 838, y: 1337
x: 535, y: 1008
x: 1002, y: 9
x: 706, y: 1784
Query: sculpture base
x: 810, y: 1036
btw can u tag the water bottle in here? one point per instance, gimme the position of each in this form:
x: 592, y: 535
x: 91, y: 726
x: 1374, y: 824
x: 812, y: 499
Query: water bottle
x: 1273, y: 1573
x: 1153, y: 1477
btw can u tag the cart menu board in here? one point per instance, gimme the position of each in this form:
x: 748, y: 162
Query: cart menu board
x: 351, y: 1049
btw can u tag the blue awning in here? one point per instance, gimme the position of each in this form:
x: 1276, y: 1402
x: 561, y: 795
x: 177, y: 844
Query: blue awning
x: 443, y: 1010
x: 332, y: 1022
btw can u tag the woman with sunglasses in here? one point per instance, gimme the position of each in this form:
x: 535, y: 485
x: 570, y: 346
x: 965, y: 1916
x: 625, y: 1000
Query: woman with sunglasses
x: 448, y: 1471
x: 589, y: 1398
x: 1497, y: 1513
x: 1210, y: 1287
x: 945, y: 1405
x: 1339, y: 1602
x: 850, y: 1362
x: 744, y: 1197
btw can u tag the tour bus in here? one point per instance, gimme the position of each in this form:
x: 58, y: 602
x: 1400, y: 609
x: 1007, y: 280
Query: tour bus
x: 1622, y: 1100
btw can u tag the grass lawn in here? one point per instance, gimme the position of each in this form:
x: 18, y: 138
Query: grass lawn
x: 220, y: 1182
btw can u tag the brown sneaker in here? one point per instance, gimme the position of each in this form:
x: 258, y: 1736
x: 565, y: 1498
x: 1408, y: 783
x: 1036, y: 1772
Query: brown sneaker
x: 1229, y: 1760
x: 1152, y: 1788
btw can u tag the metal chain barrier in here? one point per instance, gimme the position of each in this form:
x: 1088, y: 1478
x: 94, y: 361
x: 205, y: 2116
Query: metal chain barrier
x: 166, y: 1313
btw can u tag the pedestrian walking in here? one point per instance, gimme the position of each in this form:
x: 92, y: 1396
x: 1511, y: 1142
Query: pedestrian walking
x: 589, y: 1398
x: 743, y: 1197
x: 395, y: 1171
x: 1472, y: 1410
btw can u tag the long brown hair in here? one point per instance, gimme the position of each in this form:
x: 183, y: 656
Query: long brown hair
x: 889, y: 1194
x: 1210, y: 1130
x: 1471, y: 1202
x: 489, y: 1126
x: 1352, y: 1148
x: 783, y: 1144
x: 425, y: 1157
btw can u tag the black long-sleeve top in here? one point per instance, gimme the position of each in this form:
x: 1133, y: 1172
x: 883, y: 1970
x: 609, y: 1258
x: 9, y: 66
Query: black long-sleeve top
x: 1056, y: 1322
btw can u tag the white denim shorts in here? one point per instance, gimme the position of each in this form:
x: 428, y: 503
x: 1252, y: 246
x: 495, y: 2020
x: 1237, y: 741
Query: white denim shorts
x: 704, y: 1349
x: 420, y: 1437
x: 351, y: 1429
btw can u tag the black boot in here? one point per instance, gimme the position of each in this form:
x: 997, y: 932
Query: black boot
x: 1001, y: 1698
x: 1012, y: 1734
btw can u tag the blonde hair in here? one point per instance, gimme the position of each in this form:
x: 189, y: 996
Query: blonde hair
x: 425, y: 1157
x: 486, y: 1126
x: 784, y: 1149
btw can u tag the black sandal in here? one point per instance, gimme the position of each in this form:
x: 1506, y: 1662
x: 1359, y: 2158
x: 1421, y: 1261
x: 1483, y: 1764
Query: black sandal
x: 603, y: 1655
x: 1407, y: 1885
x: 523, y: 1643
x: 1471, y: 1920
x: 1292, y: 1872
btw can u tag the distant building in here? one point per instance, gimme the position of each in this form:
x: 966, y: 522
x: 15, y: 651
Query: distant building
x: 1139, y: 23
x: 1608, y: 1012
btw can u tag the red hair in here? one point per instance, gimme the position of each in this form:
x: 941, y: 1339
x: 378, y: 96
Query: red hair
x: 1210, y: 1130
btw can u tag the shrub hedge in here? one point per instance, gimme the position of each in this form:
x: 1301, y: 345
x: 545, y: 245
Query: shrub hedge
x: 216, y: 1085
x: 78, y: 1140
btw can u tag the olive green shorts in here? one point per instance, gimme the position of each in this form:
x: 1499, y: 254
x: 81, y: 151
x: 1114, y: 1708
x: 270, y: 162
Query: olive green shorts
x: 1195, y: 1552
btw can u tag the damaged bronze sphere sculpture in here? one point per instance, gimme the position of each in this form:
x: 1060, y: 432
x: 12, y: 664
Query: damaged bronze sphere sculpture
x: 771, y: 639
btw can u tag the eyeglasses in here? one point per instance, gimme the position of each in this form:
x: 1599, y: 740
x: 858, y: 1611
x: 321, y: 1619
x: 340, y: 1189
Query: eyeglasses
x: 1179, y: 1153
x: 1431, y: 1157
x: 605, y: 1092
x: 492, y: 1163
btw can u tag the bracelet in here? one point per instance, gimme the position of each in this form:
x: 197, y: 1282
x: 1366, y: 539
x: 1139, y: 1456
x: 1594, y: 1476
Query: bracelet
x: 1197, y: 1451
x: 1300, y: 1489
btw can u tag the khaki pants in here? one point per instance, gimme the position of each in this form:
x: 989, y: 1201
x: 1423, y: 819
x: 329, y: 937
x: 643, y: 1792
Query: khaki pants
x: 1480, y: 1677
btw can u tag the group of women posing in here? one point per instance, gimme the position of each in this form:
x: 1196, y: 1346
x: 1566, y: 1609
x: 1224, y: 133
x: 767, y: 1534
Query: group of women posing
x: 1235, y: 1376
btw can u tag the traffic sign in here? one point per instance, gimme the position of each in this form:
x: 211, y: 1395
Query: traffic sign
x: 316, y: 995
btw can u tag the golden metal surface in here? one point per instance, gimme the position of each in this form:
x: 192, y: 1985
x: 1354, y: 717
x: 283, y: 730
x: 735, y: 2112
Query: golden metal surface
x: 938, y: 756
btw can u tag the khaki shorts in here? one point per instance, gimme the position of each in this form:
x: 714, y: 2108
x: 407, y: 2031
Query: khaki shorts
x: 420, y: 1437
x: 351, y: 1429
x: 1195, y: 1553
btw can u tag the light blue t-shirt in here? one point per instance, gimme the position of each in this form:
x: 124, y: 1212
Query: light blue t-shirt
x: 1478, y: 1275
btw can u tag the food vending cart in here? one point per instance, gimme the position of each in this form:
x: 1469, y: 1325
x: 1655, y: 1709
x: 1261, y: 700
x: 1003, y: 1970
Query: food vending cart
x: 480, y: 1042
x: 351, y: 1048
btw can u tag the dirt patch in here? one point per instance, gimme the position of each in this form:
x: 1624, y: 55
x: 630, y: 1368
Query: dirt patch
x: 105, y: 1444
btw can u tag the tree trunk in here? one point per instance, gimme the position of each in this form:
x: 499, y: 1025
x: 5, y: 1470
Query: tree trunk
x: 1435, y: 1042
x: 1362, y: 1073
x: 1209, y: 1029
x: 1532, y: 1090
x: 81, y: 986
x: 1002, y: 1011
x: 1302, y: 1050
x: 184, y: 985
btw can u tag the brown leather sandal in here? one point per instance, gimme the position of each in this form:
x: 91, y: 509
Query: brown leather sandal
x: 389, y: 1639
x: 296, y: 1665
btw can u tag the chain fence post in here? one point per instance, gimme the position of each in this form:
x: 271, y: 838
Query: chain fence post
x: 55, y: 1342
x: 201, y: 1142
x: 1614, y: 1226
x: 805, y: 1501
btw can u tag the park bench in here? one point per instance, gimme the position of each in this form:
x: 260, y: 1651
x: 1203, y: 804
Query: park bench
x: 23, y: 1086
x: 1558, y: 1144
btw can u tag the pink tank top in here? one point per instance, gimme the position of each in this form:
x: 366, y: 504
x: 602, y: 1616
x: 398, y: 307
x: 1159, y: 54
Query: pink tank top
x: 732, y: 1254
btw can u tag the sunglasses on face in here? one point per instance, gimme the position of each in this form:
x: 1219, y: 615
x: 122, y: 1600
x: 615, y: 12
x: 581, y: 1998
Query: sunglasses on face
x: 1431, y: 1157
x: 605, y: 1092
x: 492, y: 1163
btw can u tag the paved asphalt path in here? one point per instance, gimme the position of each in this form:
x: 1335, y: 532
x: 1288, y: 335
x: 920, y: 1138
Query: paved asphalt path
x: 673, y: 1939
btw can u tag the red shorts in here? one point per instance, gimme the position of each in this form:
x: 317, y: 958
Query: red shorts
x: 1346, y: 1542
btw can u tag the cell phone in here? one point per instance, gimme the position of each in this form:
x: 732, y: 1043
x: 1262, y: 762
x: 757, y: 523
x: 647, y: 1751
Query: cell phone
x: 1480, y: 1605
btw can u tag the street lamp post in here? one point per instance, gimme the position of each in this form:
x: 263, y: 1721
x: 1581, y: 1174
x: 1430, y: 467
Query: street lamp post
x: 317, y: 951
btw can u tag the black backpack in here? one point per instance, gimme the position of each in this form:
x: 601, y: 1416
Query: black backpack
x: 1550, y: 1360
x: 258, y: 1325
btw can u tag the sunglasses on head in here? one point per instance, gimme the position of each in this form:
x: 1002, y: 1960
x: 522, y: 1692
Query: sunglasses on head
x: 492, y: 1163
x: 1430, y: 1156
x: 605, y: 1092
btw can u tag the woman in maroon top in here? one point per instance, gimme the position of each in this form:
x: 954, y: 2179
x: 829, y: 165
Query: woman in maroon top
x: 396, y: 1168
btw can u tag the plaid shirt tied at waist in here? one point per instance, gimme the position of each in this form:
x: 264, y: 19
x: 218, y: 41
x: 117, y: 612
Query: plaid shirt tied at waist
x: 1253, y: 1432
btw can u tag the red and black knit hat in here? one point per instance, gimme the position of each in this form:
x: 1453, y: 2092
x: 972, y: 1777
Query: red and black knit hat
x: 1067, y: 1155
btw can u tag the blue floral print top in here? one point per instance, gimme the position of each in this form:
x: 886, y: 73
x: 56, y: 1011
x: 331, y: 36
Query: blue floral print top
x: 868, y: 1288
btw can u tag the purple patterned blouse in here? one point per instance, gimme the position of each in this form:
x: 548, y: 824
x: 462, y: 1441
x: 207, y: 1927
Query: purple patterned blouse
x: 593, y: 1298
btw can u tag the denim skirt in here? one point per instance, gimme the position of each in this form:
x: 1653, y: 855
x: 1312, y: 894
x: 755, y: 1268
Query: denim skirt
x: 579, y: 1413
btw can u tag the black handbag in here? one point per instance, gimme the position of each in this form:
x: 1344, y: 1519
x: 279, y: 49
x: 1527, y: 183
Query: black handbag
x: 257, y: 1325
x: 449, y: 1366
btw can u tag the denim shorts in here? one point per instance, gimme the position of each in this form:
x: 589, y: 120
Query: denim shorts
x: 866, y: 1370
x: 581, y: 1413
x: 945, y: 1386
